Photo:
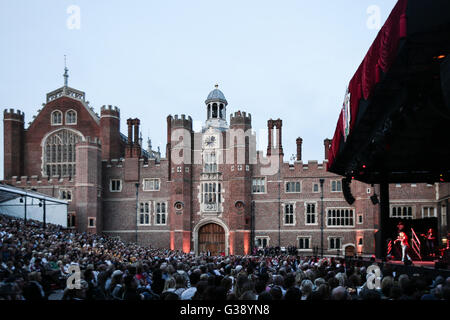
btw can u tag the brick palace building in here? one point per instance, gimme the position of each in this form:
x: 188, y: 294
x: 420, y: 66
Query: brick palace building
x: 212, y: 191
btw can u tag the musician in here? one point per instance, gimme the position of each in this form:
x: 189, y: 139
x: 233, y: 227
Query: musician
x: 430, y: 239
x: 403, y: 239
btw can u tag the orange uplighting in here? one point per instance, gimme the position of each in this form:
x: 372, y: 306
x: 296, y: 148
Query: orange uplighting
x: 246, y: 242
x: 172, y: 240
x: 186, y: 241
x: 442, y: 56
x: 231, y: 243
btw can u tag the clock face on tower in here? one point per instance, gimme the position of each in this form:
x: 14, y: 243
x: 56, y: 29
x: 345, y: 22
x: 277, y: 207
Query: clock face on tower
x: 210, y: 141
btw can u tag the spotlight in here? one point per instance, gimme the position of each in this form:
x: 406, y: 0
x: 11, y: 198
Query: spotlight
x: 40, y: 203
x: 21, y: 200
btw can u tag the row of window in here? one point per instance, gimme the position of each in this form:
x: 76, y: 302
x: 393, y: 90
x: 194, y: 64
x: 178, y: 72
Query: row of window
x: 159, y: 213
x: 406, y: 212
x: 239, y: 167
x: 57, y: 117
x: 304, y: 243
x: 71, y: 221
x: 336, y: 217
x: 259, y: 186
x: 150, y: 184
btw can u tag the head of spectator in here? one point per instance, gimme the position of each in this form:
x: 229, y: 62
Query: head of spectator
x: 339, y: 293
x: 306, y: 287
x: 386, y: 284
x: 276, y: 293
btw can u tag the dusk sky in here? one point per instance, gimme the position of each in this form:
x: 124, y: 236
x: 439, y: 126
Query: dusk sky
x: 274, y: 59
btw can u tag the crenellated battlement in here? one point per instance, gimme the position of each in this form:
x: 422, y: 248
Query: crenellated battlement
x: 181, y: 122
x: 289, y: 168
x: 12, y: 114
x: 110, y: 110
x: 41, y: 181
x: 240, y: 118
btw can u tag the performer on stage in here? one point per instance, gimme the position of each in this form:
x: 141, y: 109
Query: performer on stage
x: 403, y: 239
x: 430, y: 238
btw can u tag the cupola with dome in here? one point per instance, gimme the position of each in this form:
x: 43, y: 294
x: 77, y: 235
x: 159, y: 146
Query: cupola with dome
x: 216, y: 105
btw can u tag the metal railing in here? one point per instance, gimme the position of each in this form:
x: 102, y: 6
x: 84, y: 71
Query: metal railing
x: 415, y: 244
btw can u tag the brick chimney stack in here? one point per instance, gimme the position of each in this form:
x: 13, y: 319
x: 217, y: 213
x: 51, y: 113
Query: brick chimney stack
x: 299, y: 148
x: 269, y: 145
x: 279, y: 124
x: 327, y: 144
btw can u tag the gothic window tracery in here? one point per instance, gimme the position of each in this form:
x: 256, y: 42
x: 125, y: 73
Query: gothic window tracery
x: 59, y: 153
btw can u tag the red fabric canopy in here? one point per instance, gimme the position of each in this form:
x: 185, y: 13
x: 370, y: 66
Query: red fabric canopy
x: 379, y: 58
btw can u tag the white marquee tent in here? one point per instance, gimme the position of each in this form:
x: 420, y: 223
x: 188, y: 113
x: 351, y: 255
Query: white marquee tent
x: 26, y: 204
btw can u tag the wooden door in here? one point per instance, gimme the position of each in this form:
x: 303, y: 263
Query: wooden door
x: 349, y: 251
x: 211, y: 237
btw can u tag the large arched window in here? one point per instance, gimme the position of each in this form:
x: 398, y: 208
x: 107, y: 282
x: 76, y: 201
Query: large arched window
x: 71, y: 117
x: 56, y: 117
x: 59, y: 153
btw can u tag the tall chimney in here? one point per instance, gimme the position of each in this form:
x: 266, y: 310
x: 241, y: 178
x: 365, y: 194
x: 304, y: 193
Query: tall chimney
x: 327, y: 144
x: 279, y: 124
x: 136, y: 123
x: 299, y: 148
x: 130, y: 131
x: 270, y: 128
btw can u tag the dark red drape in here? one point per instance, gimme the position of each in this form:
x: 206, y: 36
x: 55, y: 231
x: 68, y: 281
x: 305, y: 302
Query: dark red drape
x: 380, y: 57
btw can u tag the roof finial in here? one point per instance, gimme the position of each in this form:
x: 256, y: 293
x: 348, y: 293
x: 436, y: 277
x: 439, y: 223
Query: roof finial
x: 149, y: 144
x: 216, y: 85
x: 66, y: 75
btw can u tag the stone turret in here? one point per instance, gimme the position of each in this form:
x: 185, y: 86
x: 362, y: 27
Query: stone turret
x: 13, y: 133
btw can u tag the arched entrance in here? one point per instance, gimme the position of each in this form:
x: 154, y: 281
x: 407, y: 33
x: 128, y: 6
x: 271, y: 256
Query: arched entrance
x: 211, y: 237
x: 349, y: 251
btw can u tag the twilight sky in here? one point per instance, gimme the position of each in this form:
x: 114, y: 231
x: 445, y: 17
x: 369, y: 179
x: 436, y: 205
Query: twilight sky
x: 274, y: 59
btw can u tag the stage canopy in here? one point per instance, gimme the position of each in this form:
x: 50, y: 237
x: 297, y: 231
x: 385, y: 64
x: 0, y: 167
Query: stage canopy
x: 19, y: 203
x: 394, y: 125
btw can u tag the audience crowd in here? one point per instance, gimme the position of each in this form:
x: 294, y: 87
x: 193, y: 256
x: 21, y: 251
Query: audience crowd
x: 37, y: 263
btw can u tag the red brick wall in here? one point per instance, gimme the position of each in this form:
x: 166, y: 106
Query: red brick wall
x: 41, y: 126
x: 88, y: 182
x: 112, y: 147
x: 13, y: 133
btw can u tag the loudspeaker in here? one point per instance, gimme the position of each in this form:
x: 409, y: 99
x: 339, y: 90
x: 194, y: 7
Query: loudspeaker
x: 374, y: 199
x: 347, y: 192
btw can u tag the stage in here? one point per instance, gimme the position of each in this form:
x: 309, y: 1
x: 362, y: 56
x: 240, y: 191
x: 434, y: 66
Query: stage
x: 433, y: 268
x: 425, y: 264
